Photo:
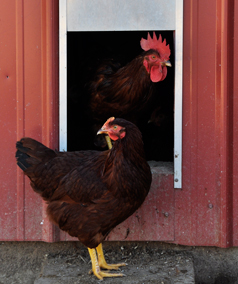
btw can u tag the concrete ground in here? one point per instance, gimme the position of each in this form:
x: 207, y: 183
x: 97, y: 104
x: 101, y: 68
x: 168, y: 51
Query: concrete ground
x: 148, y: 262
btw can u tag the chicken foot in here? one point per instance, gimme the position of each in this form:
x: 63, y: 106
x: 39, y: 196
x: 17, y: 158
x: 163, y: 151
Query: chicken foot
x: 96, y: 268
x: 102, y: 262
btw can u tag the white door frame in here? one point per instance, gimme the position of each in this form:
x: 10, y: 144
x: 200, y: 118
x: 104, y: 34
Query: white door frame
x: 119, y: 15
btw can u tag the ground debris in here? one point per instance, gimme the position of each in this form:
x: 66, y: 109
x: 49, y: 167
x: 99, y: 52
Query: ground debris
x: 69, y: 263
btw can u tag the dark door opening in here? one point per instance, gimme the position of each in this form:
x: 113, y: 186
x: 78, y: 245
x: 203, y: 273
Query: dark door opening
x: 85, y: 50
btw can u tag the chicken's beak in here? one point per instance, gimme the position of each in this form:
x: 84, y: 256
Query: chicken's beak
x: 105, y: 128
x: 102, y: 131
x: 167, y: 63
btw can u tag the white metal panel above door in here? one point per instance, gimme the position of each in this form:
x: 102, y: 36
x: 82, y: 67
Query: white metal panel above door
x: 119, y: 15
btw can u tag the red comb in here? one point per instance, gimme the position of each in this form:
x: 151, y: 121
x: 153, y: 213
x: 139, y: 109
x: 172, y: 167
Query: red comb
x: 156, y: 44
x: 109, y: 120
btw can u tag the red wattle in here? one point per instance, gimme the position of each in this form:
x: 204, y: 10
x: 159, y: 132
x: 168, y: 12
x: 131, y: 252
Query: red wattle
x: 156, y: 74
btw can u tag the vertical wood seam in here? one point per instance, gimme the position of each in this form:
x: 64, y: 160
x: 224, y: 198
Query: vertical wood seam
x: 20, y: 102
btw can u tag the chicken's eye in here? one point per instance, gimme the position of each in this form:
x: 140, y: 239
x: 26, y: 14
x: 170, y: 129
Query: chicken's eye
x: 153, y: 57
x: 115, y: 127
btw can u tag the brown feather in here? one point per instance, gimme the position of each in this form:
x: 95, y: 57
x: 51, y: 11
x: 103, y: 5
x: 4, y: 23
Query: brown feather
x: 89, y: 192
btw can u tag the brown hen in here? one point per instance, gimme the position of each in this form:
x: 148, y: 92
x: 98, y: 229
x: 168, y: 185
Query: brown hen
x: 89, y: 192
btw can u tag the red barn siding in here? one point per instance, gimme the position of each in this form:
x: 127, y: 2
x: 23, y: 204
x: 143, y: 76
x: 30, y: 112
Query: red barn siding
x: 234, y: 131
x: 203, y: 214
x: 204, y: 211
x: 29, y: 96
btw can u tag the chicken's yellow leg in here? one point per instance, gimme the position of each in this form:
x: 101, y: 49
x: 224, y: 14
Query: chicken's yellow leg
x: 102, y: 262
x: 96, y: 269
x: 109, y: 142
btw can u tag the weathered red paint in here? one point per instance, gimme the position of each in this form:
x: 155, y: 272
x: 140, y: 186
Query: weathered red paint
x: 234, y: 131
x: 204, y: 211
x: 29, y: 99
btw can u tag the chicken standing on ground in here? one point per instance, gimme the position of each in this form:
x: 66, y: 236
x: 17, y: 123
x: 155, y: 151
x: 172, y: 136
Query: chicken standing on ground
x: 89, y: 192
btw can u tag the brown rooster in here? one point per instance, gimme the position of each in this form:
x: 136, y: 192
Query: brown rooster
x: 121, y: 91
x: 125, y: 93
x: 90, y: 192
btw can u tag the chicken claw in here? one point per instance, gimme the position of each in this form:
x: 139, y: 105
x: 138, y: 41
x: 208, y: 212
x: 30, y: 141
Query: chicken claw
x: 102, y: 262
x: 96, y: 269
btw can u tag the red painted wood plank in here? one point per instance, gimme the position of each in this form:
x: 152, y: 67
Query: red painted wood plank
x: 29, y: 106
x: 226, y: 122
x: 203, y: 207
x: 9, y: 209
x: 20, y: 117
x: 235, y: 129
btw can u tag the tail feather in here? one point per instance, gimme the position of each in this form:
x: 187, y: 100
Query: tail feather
x: 30, y: 152
x: 21, y: 160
